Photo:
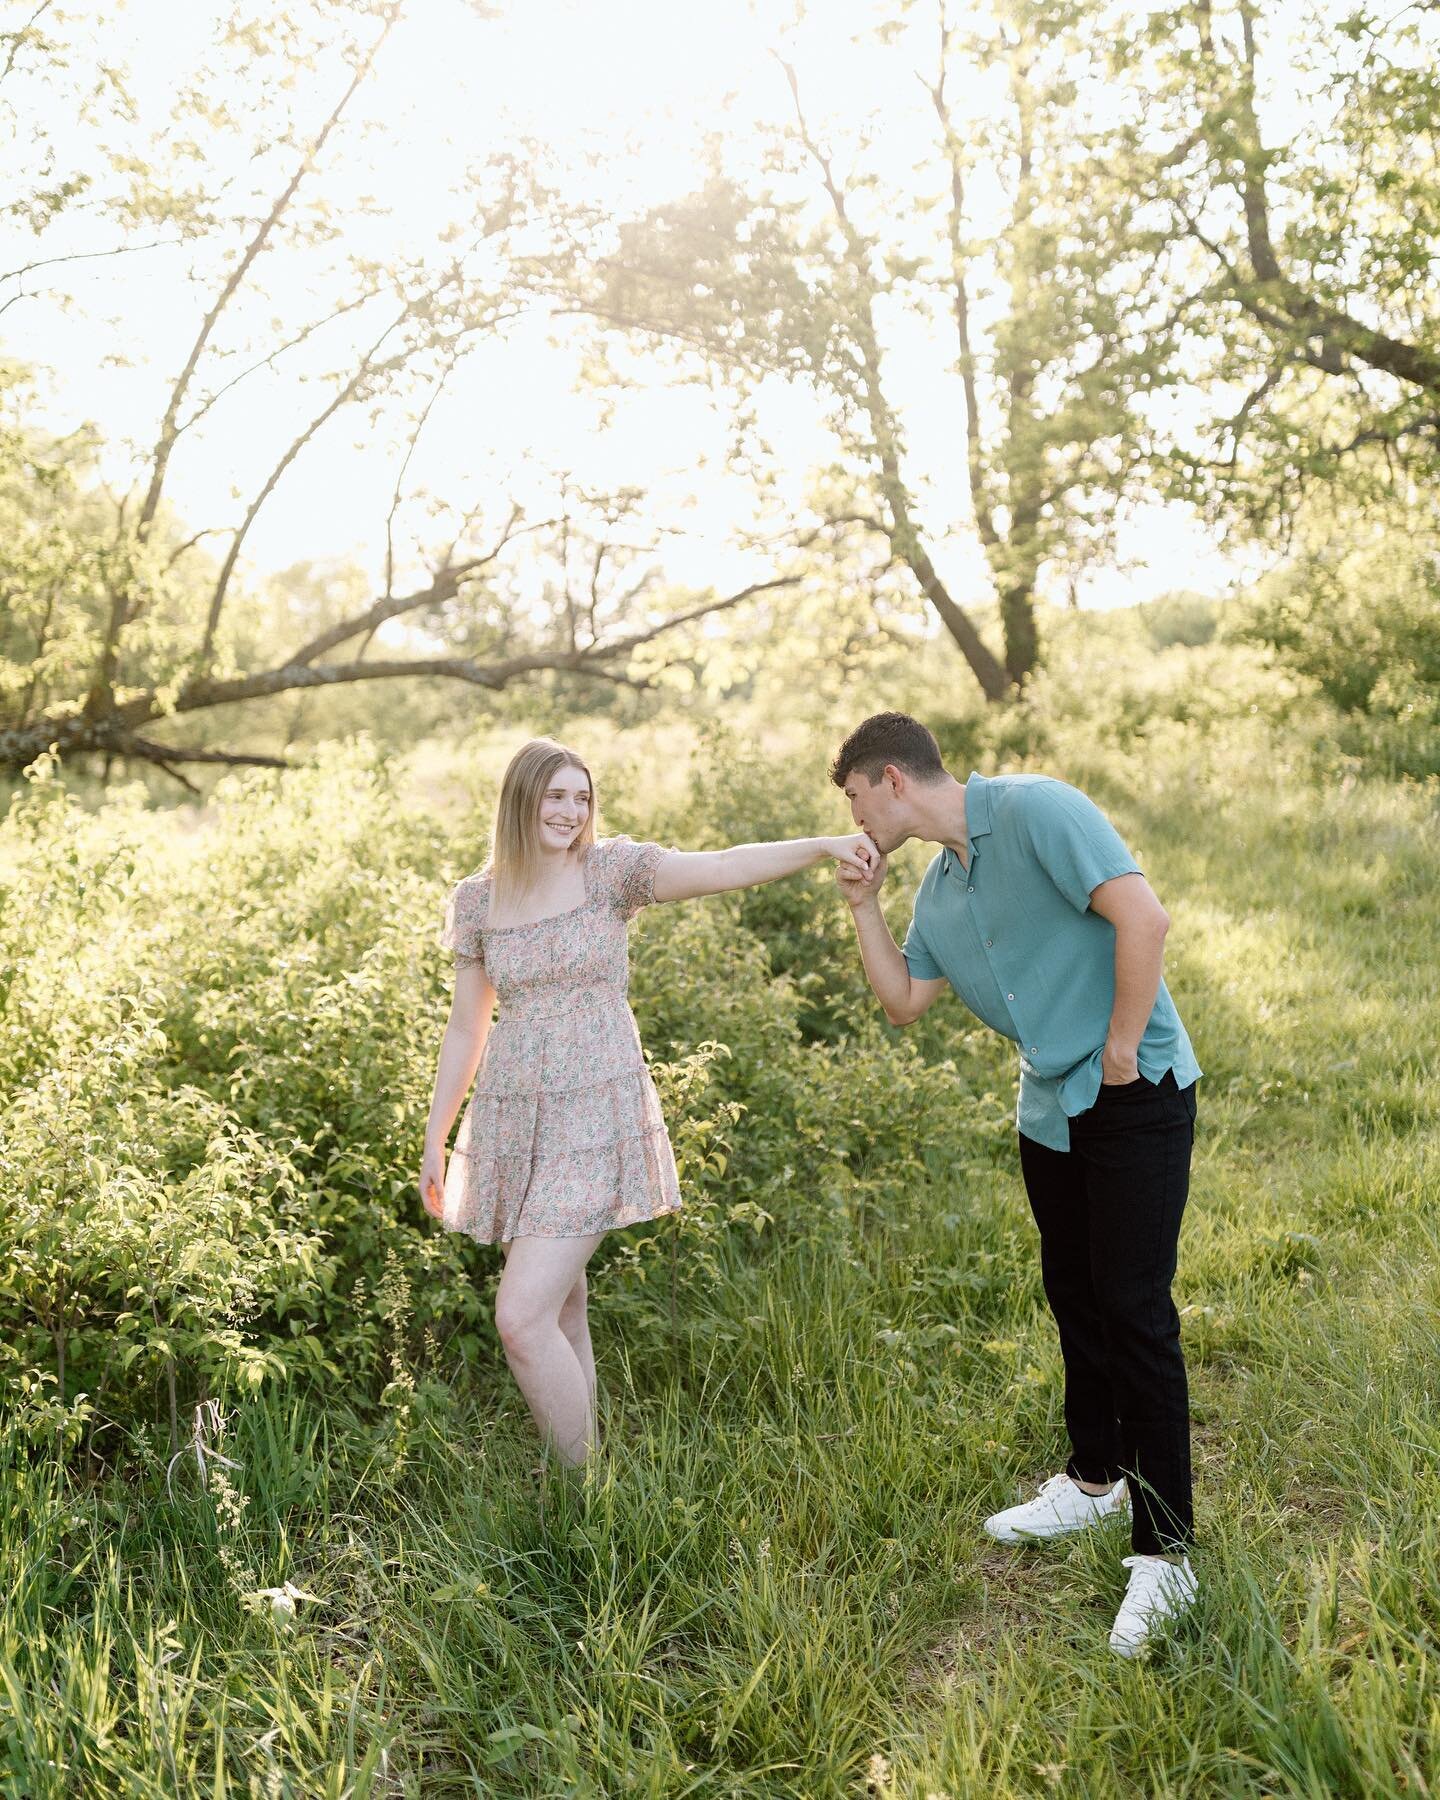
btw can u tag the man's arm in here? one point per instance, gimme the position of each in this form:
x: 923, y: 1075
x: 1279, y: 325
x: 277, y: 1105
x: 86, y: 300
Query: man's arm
x: 1141, y: 922
x: 901, y: 995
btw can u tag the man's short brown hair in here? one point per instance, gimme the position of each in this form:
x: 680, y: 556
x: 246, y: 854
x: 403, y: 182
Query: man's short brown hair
x: 888, y: 737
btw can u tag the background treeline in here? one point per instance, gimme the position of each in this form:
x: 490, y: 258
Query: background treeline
x: 1183, y: 253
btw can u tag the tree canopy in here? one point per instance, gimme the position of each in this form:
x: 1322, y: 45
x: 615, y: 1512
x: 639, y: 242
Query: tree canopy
x: 1140, y: 252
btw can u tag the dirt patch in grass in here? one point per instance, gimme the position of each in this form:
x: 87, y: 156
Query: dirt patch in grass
x: 1326, y: 1511
x: 1007, y: 1598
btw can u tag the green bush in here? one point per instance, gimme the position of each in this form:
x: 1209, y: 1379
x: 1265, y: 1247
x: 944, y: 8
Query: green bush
x: 1182, y: 617
x: 1358, y: 620
x: 154, y: 1250
x: 739, y: 793
x: 219, y: 1054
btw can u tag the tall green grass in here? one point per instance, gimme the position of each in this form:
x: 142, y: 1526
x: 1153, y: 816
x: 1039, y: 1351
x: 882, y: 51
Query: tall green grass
x: 771, y: 1580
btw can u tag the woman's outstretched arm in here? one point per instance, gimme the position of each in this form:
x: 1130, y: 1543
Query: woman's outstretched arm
x: 687, y: 874
x: 471, y: 1009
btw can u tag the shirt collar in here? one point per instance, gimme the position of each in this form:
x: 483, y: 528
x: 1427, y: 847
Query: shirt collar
x: 977, y: 817
x: 977, y: 806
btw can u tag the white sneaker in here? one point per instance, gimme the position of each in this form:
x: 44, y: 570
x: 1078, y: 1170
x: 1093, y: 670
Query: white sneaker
x: 1058, y: 1509
x: 1159, y: 1592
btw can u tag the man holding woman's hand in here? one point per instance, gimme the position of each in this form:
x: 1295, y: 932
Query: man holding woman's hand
x: 1037, y: 915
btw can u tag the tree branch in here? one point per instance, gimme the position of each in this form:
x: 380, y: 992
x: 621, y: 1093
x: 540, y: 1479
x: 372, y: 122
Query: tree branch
x: 147, y: 750
x: 437, y: 388
x: 265, y: 362
x: 444, y: 585
x: 368, y: 367
x: 19, y: 36
x: 974, y: 445
x: 1273, y: 298
x: 191, y: 542
x: 905, y: 541
x: 73, y: 732
x: 203, y: 694
x: 165, y: 443
x: 48, y: 262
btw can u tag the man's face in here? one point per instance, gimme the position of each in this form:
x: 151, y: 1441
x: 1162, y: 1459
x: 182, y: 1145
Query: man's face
x: 877, y: 808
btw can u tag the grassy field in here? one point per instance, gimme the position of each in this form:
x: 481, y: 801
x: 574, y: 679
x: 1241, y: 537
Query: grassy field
x: 772, y: 1579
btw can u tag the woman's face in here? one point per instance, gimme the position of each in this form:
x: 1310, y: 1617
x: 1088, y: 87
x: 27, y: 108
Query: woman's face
x: 564, y: 808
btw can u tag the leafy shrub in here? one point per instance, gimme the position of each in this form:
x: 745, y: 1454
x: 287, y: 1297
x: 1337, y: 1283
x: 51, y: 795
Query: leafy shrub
x: 218, y: 1054
x: 995, y: 737
x: 1180, y: 618
x: 152, y: 1249
x: 212, y: 1154
x: 739, y: 794
x: 1358, y: 620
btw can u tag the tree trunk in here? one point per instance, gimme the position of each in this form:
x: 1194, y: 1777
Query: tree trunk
x: 983, y: 664
x: 1022, y: 637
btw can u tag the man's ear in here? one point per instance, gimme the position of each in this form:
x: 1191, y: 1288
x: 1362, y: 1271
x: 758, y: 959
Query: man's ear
x: 896, y: 778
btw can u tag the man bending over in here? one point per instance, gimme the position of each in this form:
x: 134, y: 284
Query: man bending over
x: 1039, y: 918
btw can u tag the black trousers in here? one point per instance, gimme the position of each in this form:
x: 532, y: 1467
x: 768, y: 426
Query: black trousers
x: 1109, y: 1214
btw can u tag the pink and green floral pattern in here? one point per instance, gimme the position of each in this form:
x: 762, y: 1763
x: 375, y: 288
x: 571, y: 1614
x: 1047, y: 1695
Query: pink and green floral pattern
x: 563, y: 1135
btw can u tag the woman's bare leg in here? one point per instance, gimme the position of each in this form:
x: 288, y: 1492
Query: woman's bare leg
x: 575, y: 1323
x: 540, y: 1275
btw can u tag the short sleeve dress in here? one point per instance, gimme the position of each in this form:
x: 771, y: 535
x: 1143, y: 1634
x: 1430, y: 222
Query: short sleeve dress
x: 563, y: 1135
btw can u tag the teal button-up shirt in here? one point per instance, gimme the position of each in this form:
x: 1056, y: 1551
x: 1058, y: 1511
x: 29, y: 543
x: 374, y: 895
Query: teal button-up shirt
x: 1015, y: 937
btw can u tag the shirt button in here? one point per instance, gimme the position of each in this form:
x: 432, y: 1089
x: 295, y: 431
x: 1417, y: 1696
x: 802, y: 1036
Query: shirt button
x: 970, y: 890
x: 989, y: 943
x: 1034, y: 1049
x: 1009, y: 996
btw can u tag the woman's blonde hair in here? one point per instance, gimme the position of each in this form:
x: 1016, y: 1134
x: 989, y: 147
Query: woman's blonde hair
x: 515, y: 847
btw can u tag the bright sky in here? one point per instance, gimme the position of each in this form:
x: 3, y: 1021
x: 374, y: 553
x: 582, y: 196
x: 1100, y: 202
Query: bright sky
x: 637, y: 82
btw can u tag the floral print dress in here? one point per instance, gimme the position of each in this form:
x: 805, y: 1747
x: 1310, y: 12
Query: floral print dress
x: 563, y: 1136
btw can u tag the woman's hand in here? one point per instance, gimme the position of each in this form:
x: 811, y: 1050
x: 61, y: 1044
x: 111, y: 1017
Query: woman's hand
x: 856, y: 850
x: 432, y: 1180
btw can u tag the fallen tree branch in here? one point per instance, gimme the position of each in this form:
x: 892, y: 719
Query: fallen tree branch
x: 116, y: 732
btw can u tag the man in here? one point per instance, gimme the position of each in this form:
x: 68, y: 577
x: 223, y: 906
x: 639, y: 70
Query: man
x: 1039, y: 918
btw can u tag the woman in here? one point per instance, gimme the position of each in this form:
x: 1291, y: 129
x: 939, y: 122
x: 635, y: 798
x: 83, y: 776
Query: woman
x: 563, y: 1139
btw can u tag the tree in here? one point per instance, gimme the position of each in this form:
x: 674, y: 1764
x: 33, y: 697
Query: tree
x: 757, y: 282
x: 602, y: 597
x: 120, y: 616
x: 1298, y: 181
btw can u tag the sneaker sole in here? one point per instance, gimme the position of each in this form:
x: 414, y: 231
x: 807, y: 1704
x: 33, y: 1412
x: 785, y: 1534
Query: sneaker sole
x: 1029, y: 1537
x: 1011, y: 1536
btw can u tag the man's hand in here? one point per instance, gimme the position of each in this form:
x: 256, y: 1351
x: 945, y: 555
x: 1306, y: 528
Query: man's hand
x: 1117, y: 1066
x: 858, y: 888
